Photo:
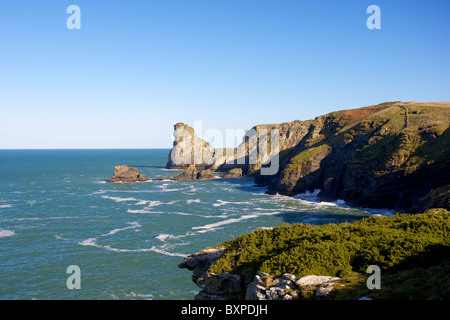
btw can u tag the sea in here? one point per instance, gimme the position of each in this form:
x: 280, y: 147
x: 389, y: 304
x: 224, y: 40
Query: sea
x: 126, y: 239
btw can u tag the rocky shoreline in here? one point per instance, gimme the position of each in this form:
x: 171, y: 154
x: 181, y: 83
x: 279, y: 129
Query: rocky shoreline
x: 263, y: 287
x: 394, y: 155
x: 123, y: 173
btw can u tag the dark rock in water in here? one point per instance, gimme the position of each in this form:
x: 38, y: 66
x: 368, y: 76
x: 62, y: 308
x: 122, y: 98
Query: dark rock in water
x: 124, y: 173
x: 205, y: 175
x: 233, y: 173
x: 189, y: 174
x: 193, y: 174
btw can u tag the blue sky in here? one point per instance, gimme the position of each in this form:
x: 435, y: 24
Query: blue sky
x: 135, y: 68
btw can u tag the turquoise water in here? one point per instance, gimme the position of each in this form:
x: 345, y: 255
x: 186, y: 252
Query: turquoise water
x: 56, y: 210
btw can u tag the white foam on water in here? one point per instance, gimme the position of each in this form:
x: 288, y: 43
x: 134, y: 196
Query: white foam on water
x: 149, y: 203
x: 310, y: 196
x: 193, y: 201
x: 139, y: 295
x: 223, y: 203
x: 225, y: 222
x: 88, y: 242
x: 164, y: 188
x: 164, y: 236
x: 118, y: 199
x: 92, y: 242
x: 6, y: 206
x: 6, y: 233
x: 133, y: 225
x: 220, y: 203
x: 58, y: 237
x: 179, y: 213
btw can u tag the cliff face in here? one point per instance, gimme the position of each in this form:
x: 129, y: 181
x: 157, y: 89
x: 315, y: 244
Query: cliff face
x: 392, y: 155
x: 189, y: 149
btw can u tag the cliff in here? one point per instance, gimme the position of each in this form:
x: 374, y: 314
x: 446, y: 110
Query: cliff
x: 392, y: 155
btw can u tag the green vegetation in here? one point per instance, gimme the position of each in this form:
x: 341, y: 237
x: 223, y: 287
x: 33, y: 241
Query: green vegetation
x: 305, y: 157
x: 415, y: 248
x: 410, y: 135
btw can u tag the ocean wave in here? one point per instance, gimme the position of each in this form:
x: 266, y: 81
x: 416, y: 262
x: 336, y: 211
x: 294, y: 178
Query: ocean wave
x: 193, y: 200
x: 118, y: 199
x: 6, y: 233
x: 223, y: 203
x: 88, y: 242
x: 140, y: 211
x: 225, y: 222
x: 6, y: 206
x: 93, y: 243
x: 308, y: 195
x: 149, y: 203
x: 139, y: 295
x: 58, y: 237
x: 134, y: 225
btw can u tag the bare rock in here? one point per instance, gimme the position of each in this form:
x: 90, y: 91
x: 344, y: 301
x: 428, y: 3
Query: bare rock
x: 189, y: 174
x: 220, y: 284
x: 188, y: 149
x: 233, y: 173
x: 200, y: 262
x: 205, y: 175
x: 124, y: 173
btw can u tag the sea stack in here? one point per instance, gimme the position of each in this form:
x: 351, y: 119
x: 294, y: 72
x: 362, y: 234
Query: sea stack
x: 188, y: 149
x: 123, y: 173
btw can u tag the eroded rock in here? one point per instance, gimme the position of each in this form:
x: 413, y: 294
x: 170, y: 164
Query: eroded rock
x: 123, y: 173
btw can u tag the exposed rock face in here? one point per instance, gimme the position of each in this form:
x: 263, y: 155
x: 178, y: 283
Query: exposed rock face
x: 393, y: 155
x: 263, y: 286
x: 233, y: 173
x: 189, y: 149
x: 286, y: 287
x: 214, y: 286
x: 191, y: 173
x: 205, y: 175
x: 220, y: 284
x: 124, y: 173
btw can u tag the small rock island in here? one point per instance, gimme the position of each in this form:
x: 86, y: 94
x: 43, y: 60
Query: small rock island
x: 123, y: 173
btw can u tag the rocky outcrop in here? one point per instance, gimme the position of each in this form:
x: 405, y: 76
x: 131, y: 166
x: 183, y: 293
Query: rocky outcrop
x: 232, y: 174
x: 188, y: 149
x: 205, y: 175
x: 190, y: 173
x: 263, y: 287
x: 214, y: 286
x: 393, y: 155
x: 124, y: 173
x: 193, y: 174
x: 286, y: 287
